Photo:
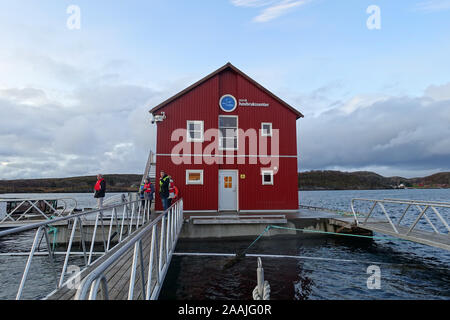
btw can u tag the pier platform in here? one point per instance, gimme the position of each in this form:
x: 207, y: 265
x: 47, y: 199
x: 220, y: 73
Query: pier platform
x: 202, y: 225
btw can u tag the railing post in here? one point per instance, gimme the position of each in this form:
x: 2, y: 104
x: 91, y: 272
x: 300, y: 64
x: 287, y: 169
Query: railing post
x: 150, y: 264
x: 50, y: 254
x: 69, y: 248
x: 83, y: 240
x: 428, y: 220
x: 103, y: 231
x: 370, y: 212
x: 123, y: 222
x: 440, y: 218
x: 133, y: 271
x: 113, y: 215
x: 417, y: 220
x: 161, y: 246
x: 167, y: 235
x: 141, y: 260
x: 94, y: 233
x: 131, y: 219
x: 27, y: 266
x: 387, y: 216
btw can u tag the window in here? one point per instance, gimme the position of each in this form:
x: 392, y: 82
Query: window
x: 267, y: 177
x: 266, y: 129
x: 194, y: 131
x: 228, y: 182
x: 194, y: 176
x: 228, y: 127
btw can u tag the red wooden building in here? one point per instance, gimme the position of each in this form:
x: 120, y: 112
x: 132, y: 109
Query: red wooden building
x: 229, y: 144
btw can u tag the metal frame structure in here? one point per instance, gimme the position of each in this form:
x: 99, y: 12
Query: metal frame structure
x: 168, y: 225
x: 32, y: 202
x: 421, y: 206
x: 133, y: 216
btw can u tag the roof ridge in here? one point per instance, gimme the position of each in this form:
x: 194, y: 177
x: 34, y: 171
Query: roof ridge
x: 209, y: 76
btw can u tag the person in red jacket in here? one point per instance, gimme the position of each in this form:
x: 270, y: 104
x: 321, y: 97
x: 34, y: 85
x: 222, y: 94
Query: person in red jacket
x: 149, y: 190
x: 100, y: 190
x: 173, y: 192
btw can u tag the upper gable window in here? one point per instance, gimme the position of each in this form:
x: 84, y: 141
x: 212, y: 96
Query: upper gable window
x: 195, y: 131
x: 228, y: 127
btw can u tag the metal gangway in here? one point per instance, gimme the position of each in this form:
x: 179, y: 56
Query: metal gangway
x: 106, y: 259
x: 15, y: 212
x: 412, y: 220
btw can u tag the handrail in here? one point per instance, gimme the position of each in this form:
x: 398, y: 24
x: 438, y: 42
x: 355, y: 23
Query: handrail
x: 133, y: 216
x: 421, y: 206
x: 120, y: 197
x: 170, y: 224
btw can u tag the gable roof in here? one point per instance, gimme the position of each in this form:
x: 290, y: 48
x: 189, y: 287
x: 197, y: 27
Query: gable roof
x: 225, y: 67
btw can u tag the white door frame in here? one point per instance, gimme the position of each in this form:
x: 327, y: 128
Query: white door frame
x: 237, y: 188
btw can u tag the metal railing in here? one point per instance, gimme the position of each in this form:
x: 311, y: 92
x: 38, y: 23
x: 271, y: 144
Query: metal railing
x: 115, y: 199
x: 28, y: 204
x: 133, y: 215
x: 168, y: 225
x: 422, y: 207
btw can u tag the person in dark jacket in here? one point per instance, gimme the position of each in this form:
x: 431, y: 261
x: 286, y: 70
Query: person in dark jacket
x: 100, y: 190
x: 164, y: 182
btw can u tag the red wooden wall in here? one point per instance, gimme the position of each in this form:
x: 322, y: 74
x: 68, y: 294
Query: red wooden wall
x: 202, y: 103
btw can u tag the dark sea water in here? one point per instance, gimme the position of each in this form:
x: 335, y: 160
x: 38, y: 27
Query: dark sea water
x: 407, y: 270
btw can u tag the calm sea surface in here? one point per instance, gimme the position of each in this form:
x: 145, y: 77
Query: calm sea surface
x: 408, y: 270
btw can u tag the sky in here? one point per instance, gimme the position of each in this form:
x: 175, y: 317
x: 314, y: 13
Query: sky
x: 77, y: 78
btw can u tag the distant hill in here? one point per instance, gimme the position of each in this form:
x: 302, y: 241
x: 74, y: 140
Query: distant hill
x: 311, y: 180
x: 115, y: 183
x: 364, y: 180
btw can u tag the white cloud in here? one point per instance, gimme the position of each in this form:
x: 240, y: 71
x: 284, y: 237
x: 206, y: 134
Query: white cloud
x: 278, y: 10
x: 433, y: 5
x: 252, y: 3
x: 275, y: 8
x: 396, y: 134
x: 439, y: 93
x: 109, y: 132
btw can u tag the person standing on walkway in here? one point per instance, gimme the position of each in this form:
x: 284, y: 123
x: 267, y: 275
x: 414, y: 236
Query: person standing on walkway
x: 164, y: 182
x: 100, y: 190
x: 173, y: 193
x: 149, y: 190
x: 142, y: 193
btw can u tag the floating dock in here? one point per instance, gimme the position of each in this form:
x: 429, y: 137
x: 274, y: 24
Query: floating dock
x: 135, y: 266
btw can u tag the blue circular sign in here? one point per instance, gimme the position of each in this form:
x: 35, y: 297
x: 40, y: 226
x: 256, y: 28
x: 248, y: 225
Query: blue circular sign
x: 228, y: 103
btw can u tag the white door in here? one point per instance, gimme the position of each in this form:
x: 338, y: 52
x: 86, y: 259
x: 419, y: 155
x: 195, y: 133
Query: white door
x: 228, y: 194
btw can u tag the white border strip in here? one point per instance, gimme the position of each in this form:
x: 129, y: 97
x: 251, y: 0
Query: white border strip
x: 222, y: 155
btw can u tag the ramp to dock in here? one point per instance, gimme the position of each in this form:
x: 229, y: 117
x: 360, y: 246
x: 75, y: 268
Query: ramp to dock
x: 118, y: 275
x: 432, y: 239
x: 134, y: 269
x: 391, y: 223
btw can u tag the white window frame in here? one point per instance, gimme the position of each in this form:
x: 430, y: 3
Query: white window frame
x: 221, y: 148
x: 190, y: 182
x: 188, y: 131
x: 262, y: 129
x: 264, y: 172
